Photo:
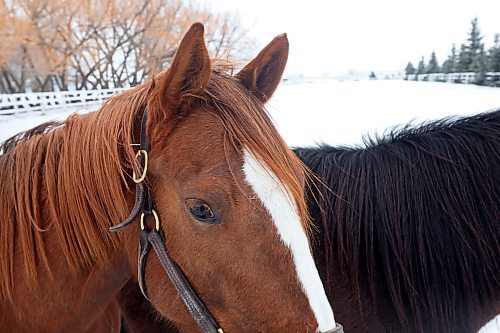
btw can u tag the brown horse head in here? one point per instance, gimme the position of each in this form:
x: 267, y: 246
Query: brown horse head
x: 229, y: 194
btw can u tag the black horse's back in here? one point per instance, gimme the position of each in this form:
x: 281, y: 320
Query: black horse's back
x: 412, y: 220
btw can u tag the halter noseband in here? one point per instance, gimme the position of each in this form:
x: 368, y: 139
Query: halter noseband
x: 144, y: 206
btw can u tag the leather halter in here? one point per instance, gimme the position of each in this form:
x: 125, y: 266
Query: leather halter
x: 144, y: 206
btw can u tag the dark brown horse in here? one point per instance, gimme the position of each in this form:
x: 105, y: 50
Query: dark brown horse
x: 228, y: 192
x: 409, y: 227
x: 407, y: 230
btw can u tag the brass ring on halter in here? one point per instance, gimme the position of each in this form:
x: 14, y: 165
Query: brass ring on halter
x: 144, y: 170
x: 157, y: 220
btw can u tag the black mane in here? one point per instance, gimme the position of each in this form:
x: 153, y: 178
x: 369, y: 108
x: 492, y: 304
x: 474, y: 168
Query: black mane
x: 414, y: 216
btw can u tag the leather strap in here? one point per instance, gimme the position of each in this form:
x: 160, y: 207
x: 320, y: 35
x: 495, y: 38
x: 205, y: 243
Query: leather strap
x: 141, y: 260
x: 198, y: 310
x: 139, y: 188
x: 144, y: 204
x: 136, y: 210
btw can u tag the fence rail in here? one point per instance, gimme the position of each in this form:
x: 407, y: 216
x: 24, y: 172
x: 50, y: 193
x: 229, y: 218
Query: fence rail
x: 467, y: 77
x: 16, y: 103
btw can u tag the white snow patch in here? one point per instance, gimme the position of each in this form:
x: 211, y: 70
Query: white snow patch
x: 340, y: 113
x: 15, y: 123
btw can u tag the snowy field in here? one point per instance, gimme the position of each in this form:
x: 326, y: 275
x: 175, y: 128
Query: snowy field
x: 340, y: 113
x: 309, y: 112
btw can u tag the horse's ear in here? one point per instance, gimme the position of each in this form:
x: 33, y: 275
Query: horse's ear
x: 263, y: 74
x: 189, y: 72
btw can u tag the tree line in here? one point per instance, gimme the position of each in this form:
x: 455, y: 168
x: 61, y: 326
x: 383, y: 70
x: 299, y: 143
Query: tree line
x: 56, y: 45
x: 470, y: 57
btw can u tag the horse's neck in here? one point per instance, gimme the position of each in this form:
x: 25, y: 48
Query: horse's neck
x: 467, y: 309
x: 64, y: 300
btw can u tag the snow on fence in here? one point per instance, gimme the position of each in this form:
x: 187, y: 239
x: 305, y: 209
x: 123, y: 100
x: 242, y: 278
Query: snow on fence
x: 468, y: 77
x: 16, y: 103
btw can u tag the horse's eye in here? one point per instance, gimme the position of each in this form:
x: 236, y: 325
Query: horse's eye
x: 201, y: 211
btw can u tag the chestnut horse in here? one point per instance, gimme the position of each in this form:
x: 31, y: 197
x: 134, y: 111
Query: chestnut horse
x: 407, y: 230
x: 228, y: 192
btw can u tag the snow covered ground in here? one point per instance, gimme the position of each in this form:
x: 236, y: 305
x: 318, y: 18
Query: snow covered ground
x: 308, y: 112
x: 342, y: 112
x: 13, y: 124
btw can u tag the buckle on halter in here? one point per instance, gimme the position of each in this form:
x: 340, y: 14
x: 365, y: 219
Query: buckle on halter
x: 140, y: 153
x: 155, y: 216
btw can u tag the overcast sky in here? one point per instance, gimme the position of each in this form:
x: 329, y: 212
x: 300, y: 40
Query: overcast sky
x: 335, y: 36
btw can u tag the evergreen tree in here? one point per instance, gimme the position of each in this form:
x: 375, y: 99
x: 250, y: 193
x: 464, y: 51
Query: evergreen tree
x: 433, y: 66
x: 471, y: 57
x: 450, y: 64
x: 447, y: 66
x: 475, y: 37
x: 475, y: 46
x: 453, y: 59
x: 464, y: 59
x: 468, y: 52
x: 421, y: 67
x: 479, y: 66
x: 494, y: 56
x: 410, y: 69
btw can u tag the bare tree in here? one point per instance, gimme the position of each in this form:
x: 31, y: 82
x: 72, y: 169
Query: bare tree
x: 50, y: 45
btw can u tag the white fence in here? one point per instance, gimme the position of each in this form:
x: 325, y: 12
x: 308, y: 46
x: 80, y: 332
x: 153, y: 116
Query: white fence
x: 15, y: 103
x: 468, y: 77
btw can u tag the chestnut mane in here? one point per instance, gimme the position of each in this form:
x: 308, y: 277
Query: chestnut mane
x: 71, y: 178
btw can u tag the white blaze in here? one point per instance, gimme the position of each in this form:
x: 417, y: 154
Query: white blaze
x: 282, y: 208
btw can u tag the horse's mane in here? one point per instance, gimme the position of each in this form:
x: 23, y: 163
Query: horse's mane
x: 71, y: 178
x: 68, y: 179
x: 415, y: 214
